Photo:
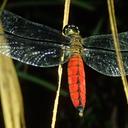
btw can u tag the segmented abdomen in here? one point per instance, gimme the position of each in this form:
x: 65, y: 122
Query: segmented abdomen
x: 76, y: 80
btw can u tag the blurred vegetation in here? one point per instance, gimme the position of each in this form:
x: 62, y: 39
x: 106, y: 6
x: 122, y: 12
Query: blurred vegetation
x: 106, y: 104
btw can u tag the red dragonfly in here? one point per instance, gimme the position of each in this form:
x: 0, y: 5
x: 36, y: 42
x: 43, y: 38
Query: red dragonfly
x: 42, y: 46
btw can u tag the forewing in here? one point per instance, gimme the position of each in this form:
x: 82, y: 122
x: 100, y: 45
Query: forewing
x: 106, y: 41
x: 36, y: 53
x: 19, y: 26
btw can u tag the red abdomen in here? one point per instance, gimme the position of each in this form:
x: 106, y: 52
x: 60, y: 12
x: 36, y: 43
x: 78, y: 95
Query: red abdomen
x: 76, y: 80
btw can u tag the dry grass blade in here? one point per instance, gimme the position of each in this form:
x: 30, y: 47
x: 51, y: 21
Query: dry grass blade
x: 117, y: 46
x: 66, y: 12
x: 60, y: 69
x: 3, y: 6
x: 10, y: 93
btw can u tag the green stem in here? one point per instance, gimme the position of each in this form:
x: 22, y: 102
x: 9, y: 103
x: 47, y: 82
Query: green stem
x: 38, y: 81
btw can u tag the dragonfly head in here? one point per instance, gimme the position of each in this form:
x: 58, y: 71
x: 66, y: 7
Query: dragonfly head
x: 70, y: 30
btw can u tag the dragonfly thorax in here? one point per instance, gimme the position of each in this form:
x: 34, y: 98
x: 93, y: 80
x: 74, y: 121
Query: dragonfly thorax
x: 70, y: 30
x: 76, y: 44
x: 76, y: 40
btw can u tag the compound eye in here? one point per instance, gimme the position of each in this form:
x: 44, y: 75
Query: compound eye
x: 71, y: 30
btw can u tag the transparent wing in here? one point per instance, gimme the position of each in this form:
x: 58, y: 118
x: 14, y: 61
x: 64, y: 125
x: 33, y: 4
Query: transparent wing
x: 36, y: 53
x: 100, y: 55
x: 106, y: 41
x: 19, y: 26
x: 105, y: 61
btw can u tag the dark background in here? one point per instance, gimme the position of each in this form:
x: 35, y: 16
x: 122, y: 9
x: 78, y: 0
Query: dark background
x: 106, y: 103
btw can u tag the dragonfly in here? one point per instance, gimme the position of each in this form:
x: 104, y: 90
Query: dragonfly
x: 39, y: 45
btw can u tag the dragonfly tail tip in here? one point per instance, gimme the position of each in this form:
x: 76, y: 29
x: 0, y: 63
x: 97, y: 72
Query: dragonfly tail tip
x: 81, y: 114
x: 80, y: 109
